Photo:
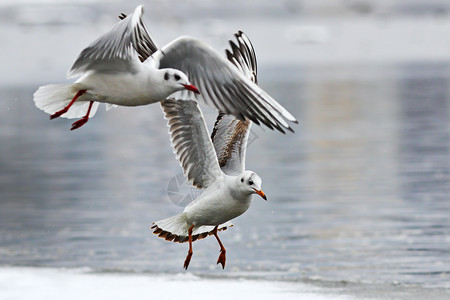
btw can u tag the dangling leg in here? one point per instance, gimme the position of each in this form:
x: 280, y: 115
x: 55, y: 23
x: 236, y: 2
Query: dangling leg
x: 222, y: 257
x: 65, y: 109
x: 189, y: 255
x: 84, y: 120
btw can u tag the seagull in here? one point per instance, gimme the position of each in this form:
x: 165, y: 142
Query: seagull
x: 125, y: 67
x: 216, y: 165
x: 111, y: 71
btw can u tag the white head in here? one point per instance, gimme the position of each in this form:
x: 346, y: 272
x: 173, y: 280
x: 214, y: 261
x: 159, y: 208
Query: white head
x: 177, y: 80
x: 250, y: 182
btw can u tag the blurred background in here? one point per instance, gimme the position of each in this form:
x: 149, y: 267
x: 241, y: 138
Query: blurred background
x: 358, y: 196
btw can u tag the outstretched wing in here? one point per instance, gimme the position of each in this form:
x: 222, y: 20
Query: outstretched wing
x: 230, y: 135
x: 222, y: 85
x: 243, y: 56
x: 113, y: 51
x: 191, y: 143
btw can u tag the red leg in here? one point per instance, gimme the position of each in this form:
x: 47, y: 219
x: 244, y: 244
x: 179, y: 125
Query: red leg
x: 222, y: 257
x: 65, y: 109
x: 83, y: 120
x: 189, y: 255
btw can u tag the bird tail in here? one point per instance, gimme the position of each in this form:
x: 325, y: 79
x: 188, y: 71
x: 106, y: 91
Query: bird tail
x: 176, y: 228
x: 54, y: 97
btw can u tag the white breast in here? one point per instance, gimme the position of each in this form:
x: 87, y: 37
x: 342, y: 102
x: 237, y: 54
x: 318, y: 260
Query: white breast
x: 216, y: 206
x: 126, y: 89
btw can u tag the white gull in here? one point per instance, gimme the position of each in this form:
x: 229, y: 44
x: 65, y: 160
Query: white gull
x: 216, y: 165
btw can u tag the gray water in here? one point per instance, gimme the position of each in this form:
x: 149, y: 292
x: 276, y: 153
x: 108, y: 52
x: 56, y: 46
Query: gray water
x: 358, y: 195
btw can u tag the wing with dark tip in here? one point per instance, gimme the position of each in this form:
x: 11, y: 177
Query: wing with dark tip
x: 143, y: 44
x: 113, y: 51
x: 243, y: 56
x: 230, y: 135
x: 222, y: 85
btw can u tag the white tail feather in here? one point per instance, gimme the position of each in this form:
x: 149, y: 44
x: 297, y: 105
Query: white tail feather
x: 54, y: 97
x: 176, y: 229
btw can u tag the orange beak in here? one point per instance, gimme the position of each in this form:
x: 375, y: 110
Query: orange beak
x: 191, y: 88
x: 261, y: 193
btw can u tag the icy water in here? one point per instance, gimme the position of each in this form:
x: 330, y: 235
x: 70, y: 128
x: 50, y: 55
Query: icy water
x: 358, y: 196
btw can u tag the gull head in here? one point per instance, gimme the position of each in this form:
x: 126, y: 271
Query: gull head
x: 177, y: 80
x: 250, y: 182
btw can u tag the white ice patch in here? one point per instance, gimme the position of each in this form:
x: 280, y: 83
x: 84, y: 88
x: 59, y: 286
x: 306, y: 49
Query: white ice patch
x: 46, y: 283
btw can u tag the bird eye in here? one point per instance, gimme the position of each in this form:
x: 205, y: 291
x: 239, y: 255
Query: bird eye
x: 250, y: 182
x: 242, y: 179
x: 166, y: 76
x: 177, y: 77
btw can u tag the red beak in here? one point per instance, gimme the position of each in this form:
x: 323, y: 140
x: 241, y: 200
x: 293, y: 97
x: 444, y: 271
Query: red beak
x: 192, y: 88
x: 261, y: 193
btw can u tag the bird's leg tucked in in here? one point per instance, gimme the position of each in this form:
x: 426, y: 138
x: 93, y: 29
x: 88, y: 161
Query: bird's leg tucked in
x: 83, y: 120
x: 222, y: 256
x: 65, y: 109
x: 189, y: 255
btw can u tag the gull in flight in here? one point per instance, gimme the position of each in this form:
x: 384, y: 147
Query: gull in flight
x: 216, y: 165
x: 125, y: 67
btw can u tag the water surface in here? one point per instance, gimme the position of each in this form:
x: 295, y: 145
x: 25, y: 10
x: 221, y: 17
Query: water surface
x: 358, y: 195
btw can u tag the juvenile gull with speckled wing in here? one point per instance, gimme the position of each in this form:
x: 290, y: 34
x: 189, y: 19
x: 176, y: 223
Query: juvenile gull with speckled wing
x: 216, y: 165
